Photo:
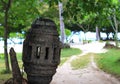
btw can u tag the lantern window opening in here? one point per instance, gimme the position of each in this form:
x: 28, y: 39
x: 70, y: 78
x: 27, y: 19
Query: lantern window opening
x: 47, y: 53
x: 54, y: 53
x: 38, y: 52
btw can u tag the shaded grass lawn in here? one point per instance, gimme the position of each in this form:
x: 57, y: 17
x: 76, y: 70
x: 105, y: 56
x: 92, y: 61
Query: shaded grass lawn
x: 109, y: 61
x: 65, y: 54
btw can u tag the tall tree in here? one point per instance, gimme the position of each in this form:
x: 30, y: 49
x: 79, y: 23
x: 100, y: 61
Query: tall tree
x: 6, y: 8
x: 14, y: 19
x: 114, y: 21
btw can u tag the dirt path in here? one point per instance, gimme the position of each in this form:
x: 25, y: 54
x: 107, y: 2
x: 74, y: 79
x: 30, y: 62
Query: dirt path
x: 89, y: 75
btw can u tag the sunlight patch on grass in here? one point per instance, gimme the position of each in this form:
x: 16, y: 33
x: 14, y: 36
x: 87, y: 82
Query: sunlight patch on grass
x: 81, y: 62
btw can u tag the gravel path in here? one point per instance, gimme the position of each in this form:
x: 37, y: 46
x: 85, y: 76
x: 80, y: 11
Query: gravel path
x: 89, y: 75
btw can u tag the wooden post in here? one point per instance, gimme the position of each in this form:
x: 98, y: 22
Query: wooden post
x: 17, y: 77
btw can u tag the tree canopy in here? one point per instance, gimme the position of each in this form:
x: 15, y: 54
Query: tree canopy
x: 91, y: 12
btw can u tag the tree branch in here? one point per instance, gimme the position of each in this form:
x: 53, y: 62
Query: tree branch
x: 88, y: 27
x: 81, y: 27
x: 110, y: 20
x: 9, y: 3
x: 115, y: 22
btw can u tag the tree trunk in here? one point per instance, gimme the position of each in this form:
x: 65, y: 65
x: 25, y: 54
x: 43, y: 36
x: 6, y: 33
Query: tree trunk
x: 5, y: 40
x: 114, y: 25
x: 85, y: 35
x: 116, y: 30
x: 61, y: 24
x: 97, y: 34
x: 107, y: 35
x: 6, y: 6
x: 116, y: 39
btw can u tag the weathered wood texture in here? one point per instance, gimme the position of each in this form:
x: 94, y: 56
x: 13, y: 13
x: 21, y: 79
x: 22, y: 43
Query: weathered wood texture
x: 17, y: 77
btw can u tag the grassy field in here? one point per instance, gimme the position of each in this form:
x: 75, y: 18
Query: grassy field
x: 65, y: 54
x: 2, y: 63
x: 109, y: 61
x: 81, y: 62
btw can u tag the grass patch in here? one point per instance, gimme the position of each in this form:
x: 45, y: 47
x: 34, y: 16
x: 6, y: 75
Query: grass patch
x: 81, y: 62
x: 2, y: 61
x: 109, y: 61
x: 68, y: 52
x: 63, y: 60
x: 3, y: 75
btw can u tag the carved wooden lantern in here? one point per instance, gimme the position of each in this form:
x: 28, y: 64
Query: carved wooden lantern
x: 41, y: 51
